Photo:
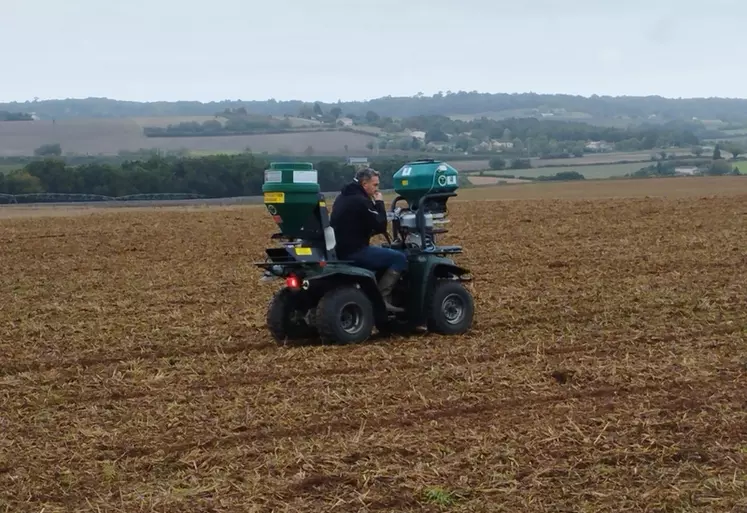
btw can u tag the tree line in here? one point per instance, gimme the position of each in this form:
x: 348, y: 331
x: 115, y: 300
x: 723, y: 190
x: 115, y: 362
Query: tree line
x: 527, y: 136
x: 531, y: 137
x: 716, y: 165
x: 546, y: 137
x: 15, y: 116
x: 635, y: 108
x: 215, y: 176
x: 237, y: 122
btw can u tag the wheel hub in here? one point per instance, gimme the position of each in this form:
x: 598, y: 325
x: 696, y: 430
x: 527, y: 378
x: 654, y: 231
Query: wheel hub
x: 351, y: 318
x: 453, y: 308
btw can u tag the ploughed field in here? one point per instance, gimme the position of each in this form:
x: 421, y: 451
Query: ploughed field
x: 606, y: 371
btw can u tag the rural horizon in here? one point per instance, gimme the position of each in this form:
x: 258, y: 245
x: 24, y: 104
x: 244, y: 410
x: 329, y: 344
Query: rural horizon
x: 419, y: 93
x: 491, y: 138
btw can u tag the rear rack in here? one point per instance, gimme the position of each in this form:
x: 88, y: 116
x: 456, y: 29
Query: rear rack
x: 268, y: 264
x: 443, y: 250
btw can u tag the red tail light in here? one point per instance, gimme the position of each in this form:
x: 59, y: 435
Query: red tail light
x: 292, y: 282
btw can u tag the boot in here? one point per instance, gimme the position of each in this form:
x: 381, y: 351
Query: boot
x: 386, y: 285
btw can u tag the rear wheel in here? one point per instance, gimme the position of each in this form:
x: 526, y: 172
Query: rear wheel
x: 345, y: 316
x: 285, y: 317
x: 450, y: 308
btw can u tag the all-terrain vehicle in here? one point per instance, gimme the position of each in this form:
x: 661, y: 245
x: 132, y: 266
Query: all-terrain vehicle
x: 336, y: 301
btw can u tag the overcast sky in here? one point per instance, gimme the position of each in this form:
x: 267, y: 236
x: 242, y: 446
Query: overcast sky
x: 352, y: 49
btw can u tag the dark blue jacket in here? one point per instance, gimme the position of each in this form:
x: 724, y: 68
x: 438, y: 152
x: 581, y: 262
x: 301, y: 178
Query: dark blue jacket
x: 355, y: 219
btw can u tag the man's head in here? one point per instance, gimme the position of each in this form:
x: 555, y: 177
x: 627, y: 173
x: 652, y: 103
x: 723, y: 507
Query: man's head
x: 369, y: 180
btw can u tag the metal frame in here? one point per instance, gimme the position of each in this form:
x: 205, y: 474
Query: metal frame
x: 420, y: 219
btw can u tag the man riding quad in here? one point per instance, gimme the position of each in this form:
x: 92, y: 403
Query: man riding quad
x: 358, y: 214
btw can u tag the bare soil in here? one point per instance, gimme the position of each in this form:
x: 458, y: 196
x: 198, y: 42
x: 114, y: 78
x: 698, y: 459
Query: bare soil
x: 606, y: 370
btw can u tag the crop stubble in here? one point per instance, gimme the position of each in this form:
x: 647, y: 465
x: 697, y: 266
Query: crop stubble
x: 606, y: 370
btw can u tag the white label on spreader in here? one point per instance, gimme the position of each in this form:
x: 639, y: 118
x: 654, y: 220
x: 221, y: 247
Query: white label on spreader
x: 273, y: 176
x: 304, y: 176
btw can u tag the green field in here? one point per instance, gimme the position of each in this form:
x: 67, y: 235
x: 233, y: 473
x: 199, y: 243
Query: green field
x: 736, y: 132
x: 7, y: 168
x: 606, y: 159
x: 599, y: 171
x: 735, y: 139
x: 207, y: 153
x: 619, y: 122
x: 110, y: 135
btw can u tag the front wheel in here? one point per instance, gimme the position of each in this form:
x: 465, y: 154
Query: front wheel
x: 450, y: 308
x: 345, y: 316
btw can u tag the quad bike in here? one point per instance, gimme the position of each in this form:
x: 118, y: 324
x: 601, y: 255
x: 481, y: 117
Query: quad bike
x: 335, y: 301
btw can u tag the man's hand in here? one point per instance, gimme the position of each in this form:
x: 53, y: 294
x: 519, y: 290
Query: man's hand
x: 378, y: 196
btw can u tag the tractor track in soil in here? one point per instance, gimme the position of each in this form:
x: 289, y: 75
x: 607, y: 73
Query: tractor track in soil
x: 516, y: 421
x: 605, y: 372
x: 73, y: 366
x: 186, y: 390
x: 403, y: 419
x: 514, y: 406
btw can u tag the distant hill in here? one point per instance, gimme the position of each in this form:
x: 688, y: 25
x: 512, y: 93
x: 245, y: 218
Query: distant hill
x: 518, y: 125
x: 461, y: 105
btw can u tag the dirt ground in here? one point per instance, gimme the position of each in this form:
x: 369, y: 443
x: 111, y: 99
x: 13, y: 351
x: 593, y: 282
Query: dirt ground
x: 605, y: 372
